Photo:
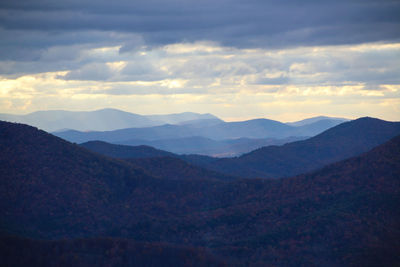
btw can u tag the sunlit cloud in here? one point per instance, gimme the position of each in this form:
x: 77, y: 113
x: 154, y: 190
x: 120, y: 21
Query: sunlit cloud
x: 228, y: 81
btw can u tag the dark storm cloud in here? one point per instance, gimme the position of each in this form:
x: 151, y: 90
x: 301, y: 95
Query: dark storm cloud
x: 30, y: 44
x: 236, y: 23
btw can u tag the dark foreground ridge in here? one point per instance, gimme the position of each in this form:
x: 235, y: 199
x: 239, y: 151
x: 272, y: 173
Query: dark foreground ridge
x: 344, y: 214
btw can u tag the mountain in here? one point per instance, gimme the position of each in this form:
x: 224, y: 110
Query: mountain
x: 36, y: 166
x: 99, y: 120
x: 230, y: 130
x: 317, y: 119
x: 185, y: 145
x: 154, y: 162
x: 120, y: 151
x: 120, y: 136
x: 313, y: 128
x: 343, y: 141
x: 345, y: 214
x: 184, y: 117
x: 104, y: 119
x: 202, y: 122
x: 340, y: 142
x: 236, y: 147
x: 252, y: 129
x: 141, y: 152
x: 206, y: 146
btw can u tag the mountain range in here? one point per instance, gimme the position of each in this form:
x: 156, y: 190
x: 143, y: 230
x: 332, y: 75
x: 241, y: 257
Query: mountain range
x: 207, y: 137
x: 57, y: 199
x: 206, y: 146
x: 181, y: 133
x: 257, y: 128
x: 340, y: 142
x: 99, y: 120
x: 110, y: 119
x: 337, y: 143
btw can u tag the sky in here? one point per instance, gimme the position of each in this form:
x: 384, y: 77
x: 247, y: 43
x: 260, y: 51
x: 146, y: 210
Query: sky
x: 237, y: 59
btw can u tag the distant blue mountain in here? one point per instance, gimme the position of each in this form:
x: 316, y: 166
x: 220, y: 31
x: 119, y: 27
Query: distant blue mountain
x: 206, y: 146
x: 99, y: 120
x: 182, y: 133
x: 255, y: 129
x: 210, y: 137
x: 316, y: 119
x: 184, y: 117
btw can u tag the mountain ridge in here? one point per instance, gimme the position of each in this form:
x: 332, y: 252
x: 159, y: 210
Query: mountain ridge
x: 209, y: 147
x: 338, y: 143
x: 255, y: 129
x: 342, y: 141
x: 100, y: 120
x: 315, y: 119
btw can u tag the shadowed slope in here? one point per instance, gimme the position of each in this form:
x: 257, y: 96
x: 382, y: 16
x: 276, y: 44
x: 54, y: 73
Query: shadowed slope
x: 77, y: 185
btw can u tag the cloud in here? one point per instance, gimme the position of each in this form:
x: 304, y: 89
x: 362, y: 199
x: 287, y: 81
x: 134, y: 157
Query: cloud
x: 217, y: 52
x: 143, y: 70
x: 95, y: 71
x: 282, y: 102
x: 257, y: 24
x: 197, y: 40
x: 282, y: 79
x: 212, y: 66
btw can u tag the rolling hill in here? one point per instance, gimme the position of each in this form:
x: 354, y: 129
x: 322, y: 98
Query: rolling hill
x: 344, y: 214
